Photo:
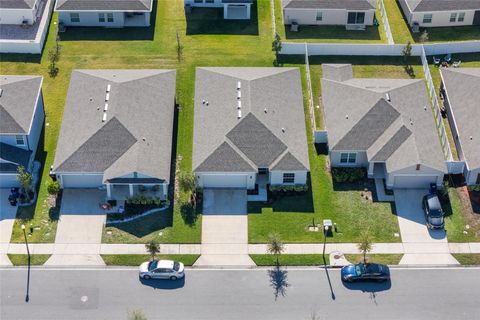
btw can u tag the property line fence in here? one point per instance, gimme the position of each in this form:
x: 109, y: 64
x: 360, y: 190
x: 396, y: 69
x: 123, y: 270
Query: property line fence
x: 311, y: 107
x: 436, y: 108
x: 386, y: 24
x: 274, y: 22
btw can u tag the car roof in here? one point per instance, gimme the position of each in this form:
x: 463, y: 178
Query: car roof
x: 165, y: 264
x: 433, y: 202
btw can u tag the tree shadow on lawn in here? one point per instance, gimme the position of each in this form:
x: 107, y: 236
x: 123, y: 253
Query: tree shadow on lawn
x: 209, y: 21
x: 332, y: 32
x: 112, y: 34
x: 295, y: 202
x: 144, y: 226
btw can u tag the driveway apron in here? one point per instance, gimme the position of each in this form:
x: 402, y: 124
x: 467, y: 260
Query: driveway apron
x: 7, y: 218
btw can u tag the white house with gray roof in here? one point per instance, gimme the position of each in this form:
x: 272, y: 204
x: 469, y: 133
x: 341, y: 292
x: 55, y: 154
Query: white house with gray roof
x: 117, y: 132
x: 249, y: 126
x: 461, y: 91
x: 104, y: 13
x: 441, y: 13
x: 20, y: 12
x: 232, y: 9
x: 384, y: 125
x: 21, y: 123
x: 327, y: 12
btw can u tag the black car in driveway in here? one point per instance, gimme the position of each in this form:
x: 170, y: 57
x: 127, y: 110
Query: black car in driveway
x: 365, y: 272
x: 433, y: 212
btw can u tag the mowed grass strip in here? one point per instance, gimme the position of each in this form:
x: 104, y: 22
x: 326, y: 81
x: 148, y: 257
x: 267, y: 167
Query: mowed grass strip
x: 22, y: 259
x: 137, y: 259
x: 289, y: 260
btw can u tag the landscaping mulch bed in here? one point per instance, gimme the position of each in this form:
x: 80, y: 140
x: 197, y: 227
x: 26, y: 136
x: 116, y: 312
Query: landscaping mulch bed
x: 132, y: 210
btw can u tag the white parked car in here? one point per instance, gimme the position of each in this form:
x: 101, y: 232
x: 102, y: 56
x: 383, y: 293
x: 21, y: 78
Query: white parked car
x: 161, y: 269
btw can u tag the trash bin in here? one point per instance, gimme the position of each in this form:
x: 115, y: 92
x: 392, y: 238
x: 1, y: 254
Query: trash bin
x: 433, y: 188
x: 12, y: 200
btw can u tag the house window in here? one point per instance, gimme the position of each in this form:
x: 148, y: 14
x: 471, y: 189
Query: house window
x: 453, y: 17
x: 262, y: 170
x: 20, y: 140
x: 74, y: 17
x: 198, y: 1
x: 427, y: 18
x: 109, y: 17
x: 319, y: 16
x: 461, y: 16
x: 101, y: 17
x: 356, y: 18
x: 288, y: 177
x: 209, y: 1
x: 348, y: 157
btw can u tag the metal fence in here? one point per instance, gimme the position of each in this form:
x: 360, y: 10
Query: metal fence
x: 386, y: 25
x: 436, y: 109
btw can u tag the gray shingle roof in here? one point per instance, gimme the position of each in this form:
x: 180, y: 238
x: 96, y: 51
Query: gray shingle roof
x: 104, y: 5
x: 17, y: 4
x: 11, y: 157
x: 442, y: 5
x: 225, y: 159
x: 463, y: 90
x: 137, y: 134
x: 357, y: 97
x: 272, y: 121
x: 288, y: 162
x: 17, y: 103
x: 330, y: 4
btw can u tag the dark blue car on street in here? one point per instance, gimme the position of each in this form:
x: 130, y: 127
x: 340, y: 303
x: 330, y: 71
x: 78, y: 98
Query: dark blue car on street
x: 365, y: 272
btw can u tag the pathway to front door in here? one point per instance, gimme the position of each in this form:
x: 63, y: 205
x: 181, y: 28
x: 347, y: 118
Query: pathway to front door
x: 224, y: 228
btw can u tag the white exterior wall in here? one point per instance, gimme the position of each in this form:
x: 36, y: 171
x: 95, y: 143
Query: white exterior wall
x: 330, y: 16
x: 472, y: 176
x: 442, y: 19
x: 250, y: 177
x: 10, y: 140
x: 16, y: 16
x: 37, y: 124
x: 361, y: 160
x: 90, y: 19
x: 215, y: 4
x: 276, y: 177
x: 412, y: 172
x: 8, y: 181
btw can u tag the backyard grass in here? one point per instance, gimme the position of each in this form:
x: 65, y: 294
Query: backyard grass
x: 342, y: 203
x: 449, y: 34
x: 154, y: 47
x: 467, y: 259
x: 398, y: 25
x: 289, y: 259
x: 329, y: 34
x: 137, y: 259
x: 390, y: 259
x: 22, y: 259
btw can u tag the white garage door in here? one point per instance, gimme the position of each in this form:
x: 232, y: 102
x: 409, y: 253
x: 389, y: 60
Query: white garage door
x: 9, y: 181
x: 224, y: 181
x: 414, y: 182
x: 82, y: 181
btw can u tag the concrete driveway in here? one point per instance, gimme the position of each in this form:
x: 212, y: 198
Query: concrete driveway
x: 7, y: 216
x: 224, y: 201
x: 421, y: 245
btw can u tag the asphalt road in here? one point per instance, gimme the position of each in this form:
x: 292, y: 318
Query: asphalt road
x: 239, y: 294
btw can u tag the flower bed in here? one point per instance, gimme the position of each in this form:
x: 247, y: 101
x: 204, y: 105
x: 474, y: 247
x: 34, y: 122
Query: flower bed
x: 135, y: 207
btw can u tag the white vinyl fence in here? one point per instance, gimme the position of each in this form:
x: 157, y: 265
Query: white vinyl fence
x: 310, y: 92
x: 386, y: 24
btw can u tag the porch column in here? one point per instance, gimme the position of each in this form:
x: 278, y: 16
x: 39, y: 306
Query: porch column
x: 130, y: 188
x: 225, y: 11
x: 109, y: 191
x: 249, y: 9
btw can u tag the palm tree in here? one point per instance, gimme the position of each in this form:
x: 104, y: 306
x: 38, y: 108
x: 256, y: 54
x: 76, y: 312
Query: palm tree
x: 275, y: 245
x: 365, y: 244
x: 153, y: 249
x: 188, y: 183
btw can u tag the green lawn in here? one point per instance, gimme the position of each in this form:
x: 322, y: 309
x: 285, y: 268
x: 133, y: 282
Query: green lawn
x: 449, y: 34
x: 153, y: 47
x: 137, y: 259
x: 289, y: 259
x: 329, y: 34
x: 458, y: 214
x: 390, y: 259
x: 343, y: 204
x: 22, y: 259
x: 398, y: 25
x: 468, y: 259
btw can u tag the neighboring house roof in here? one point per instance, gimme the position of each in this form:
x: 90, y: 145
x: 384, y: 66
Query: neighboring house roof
x: 104, y: 5
x: 11, y: 157
x: 137, y: 134
x: 442, y: 5
x: 330, y: 4
x: 271, y: 130
x: 463, y: 90
x: 18, y: 100
x: 401, y: 132
x: 17, y: 4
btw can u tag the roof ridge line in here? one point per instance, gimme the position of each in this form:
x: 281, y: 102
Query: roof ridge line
x: 240, y: 153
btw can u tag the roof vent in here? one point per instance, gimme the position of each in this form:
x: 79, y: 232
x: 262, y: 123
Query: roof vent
x: 144, y: 139
x: 203, y: 101
x: 265, y: 110
x: 239, y: 113
x: 425, y: 108
x: 104, y: 117
x: 109, y: 87
x: 206, y: 103
x: 471, y: 138
x: 239, y: 85
x: 91, y: 99
x: 283, y: 129
x: 387, y: 96
x: 1, y: 92
x: 239, y: 94
x: 107, y: 96
x: 346, y: 116
x: 105, y: 108
x: 411, y: 121
x: 239, y: 105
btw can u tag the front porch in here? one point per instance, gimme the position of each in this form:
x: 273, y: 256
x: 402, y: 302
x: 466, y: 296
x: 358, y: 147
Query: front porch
x: 377, y: 171
x: 122, y: 192
x: 262, y: 180
x: 136, y: 19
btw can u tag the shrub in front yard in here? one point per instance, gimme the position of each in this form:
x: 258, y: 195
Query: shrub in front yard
x: 53, y: 188
x: 341, y: 175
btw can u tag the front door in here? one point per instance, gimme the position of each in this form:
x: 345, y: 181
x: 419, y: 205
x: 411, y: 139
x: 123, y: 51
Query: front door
x: 476, y: 18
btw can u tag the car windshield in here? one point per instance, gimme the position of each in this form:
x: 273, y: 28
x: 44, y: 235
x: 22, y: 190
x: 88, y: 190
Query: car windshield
x: 436, y: 213
x: 152, y: 265
x: 176, y: 266
x: 358, y: 269
x: 436, y: 220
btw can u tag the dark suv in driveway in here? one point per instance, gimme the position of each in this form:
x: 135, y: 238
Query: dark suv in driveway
x: 433, y: 212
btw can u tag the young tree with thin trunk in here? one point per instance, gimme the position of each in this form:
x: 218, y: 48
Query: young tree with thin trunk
x: 277, y: 47
x: 365, y: 245
x: 275, y: 245
x: 153, y: 249
x: 25, y: 178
